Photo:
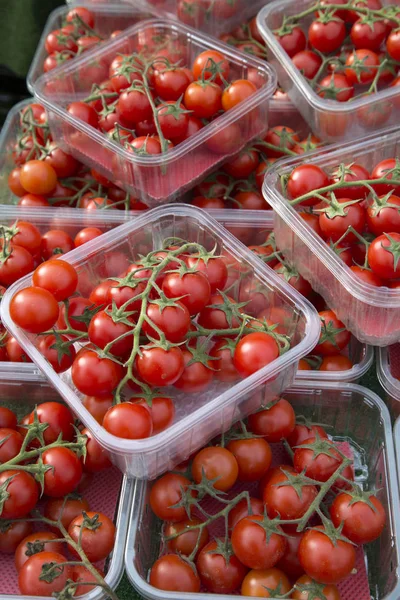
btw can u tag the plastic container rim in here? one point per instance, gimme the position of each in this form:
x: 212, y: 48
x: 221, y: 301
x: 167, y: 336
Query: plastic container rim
x: 286, y: 62
x: 393, y: 495
x: 228, y: 118
x: 357, y: 288
x: 390, y: 384
x: 119, y: 445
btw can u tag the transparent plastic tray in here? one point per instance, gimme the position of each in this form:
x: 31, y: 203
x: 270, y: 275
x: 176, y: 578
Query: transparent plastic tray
x: 388, y: 371
x: 214, y: 18
x: 162, y: 177
x: 115, y: 499
x: 357, y: 416
x: 108, y: 17
x: 251, y: 227
x: 329, y: 120
x: 372, y: 314
x: 204, y: 415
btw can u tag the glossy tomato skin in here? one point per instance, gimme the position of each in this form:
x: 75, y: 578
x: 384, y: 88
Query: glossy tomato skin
x: 29, y: 581
x: 174, y: 321
x: 159, y: 367
x: 165, y: 493
x: 65, y: 511
x: 252, y: 547
x: 217, y: 575
x: 196, y: 376
x: 97, y: 543
x: 96, y: 459
x: 10, y: 444
x: 362, y: 523
x: 215, y: 462
x: 129, y: 421
x: 326, y: 37
x: 43, y: 542
x: 324, y: 561
x: 11, y: 534
x: 193, y: 289
x: 173, y: 574
x: 187, y: 539
x: 23, y: 494
x: 319, y: 467
x: 56, y: 276
x: 334, y: 228
x: 65, y: 475
x: 215, y: 271
x: 304, y: 590
x: 18, y: 263
x: 241, y: 510
x: 257, y: 580
x: 253, y: 352
x: 307, y: 62
x: 354, y: 172
x: 59, y: 419
x: 336, y: 362
x: 94, y: 375
x: 305, y: 179
x: 7, y: 418
x: 254, y: 457
x: 382, y: 261
x: 274, y: 423
x: 283, y: 500
x: 387, y: 218
x: 162, y: 411
x: 335, y: 342
x: 293, y: 42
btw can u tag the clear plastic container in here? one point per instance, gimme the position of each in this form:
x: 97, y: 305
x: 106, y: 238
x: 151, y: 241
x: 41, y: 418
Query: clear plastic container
x: 357, y: 416
x: 204, y: 415
x: 115, y: 499
x: 388, y: 371
x: 371, y: 313
x: 251, y: 227
x: 330, y: 120
x: 108, y: 17
x: 162, y: 177
x: 214, y: 18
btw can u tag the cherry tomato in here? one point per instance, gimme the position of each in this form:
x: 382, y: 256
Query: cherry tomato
x: 308, y: 62
x: 103, y: 330
x: 31, y: 584
x: 59, y: 420
x: 28, y: 236
x: 38, y: 177
x: 305, y: 179
x: 83, y: 112
x: 86, y: 235
x: 7, y: 418
x: 252, y: 546
x: 218, y: 464
x: 159, y: 367
x: 369, y: 61
x: 307, y: 588
x: 170, y: 84
x: 337, y: 362
x: 188, y: 537
x: 16, y: 263
x: 81, y: 573
x: 258, y: 581
x: 94, y: 375
x: 237, y: 92
x: 192, y: 289
x: 172, y: 573
x: 219, y: 575
x: 224, y: 369
x: 203, y: 99
x: 241, y: 510
x: 10, y: 444
x: 327, y: 36
x: 96, y: 533
x: 129, y: 421
x: 386, y: 169
x: 363, y: 520
x: 334, y: 224
x: 290, y: 563
x: 353, y: 172
x: 22, y: 491
x: 65, y: 510
x: 383, y: 256
x: 282, y: 499
x: 253, y: 352
x: 393, y: 44
x: 173, y: 321
x: 41, y: 541
x: 369, y: 35
x: 55, y: 242
x: 210, y: 62
x: 12, y: 533
x: 336, y: 86
x: 334, y: 335
x: 34, y: 309
x: 294, y: 41
x: 165, y: 494
x: 57, y: 277
x: 317, y: 466
x: 66, y: 471
x: 253, y: 456
x: 274, y: 423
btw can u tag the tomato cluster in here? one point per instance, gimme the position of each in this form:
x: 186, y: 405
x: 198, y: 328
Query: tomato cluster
x: 238, y: 183
x: 167, y: 319
x: 71, y: 39
x: 276, y: 540
x: 348, y: 49
x: 356, y: 212
x: 46, y: 455
x: 152, y: 101
x: 44, y: 175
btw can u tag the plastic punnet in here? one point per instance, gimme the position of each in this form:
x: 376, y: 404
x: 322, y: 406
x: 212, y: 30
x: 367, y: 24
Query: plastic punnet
x: 371, y: 313
x: 199, y: 417
x: 108, y: 17
x: 162, y: 177
x: 388, y: 371
x: 21, y: 396
x: 330, y: 120
x: 355, y: 415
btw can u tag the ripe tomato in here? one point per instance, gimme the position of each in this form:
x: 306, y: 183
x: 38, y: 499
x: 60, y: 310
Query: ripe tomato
x: 86, y: 235
x: 165, y: 494
x: 78, y: 313
x: 40, y: 541
x: 81, y: 573
x: 134, y: 106
x: 241, y: 510
x: 258, y: 581
x: 129, y: 421
x: 334, y: 224
x: 253, y: 456
x: 308, y: 62
x: 203, y: 99
x: 293, y: 42
x: 96, y: 533
x: 82, y: 13
x: 28, y: 236
x: 187, y: 539
x: 383, y: 256
x: 224, y: 369
x: 307, y: 588
x: 96, y: 458
x: 361, y: 66
x: 237, y: 92
x: 386, y: 169
x: 162, y: 411
x: 252, y: 546
x: 30, y: 582
x: 334, y: 335
x: 173, y: 321
x: 64, y: 164
x: 65, y: 474
x: 281, y: 137
x: 94, y: 375
x: 38, y: 177
x: 173, y: 120
x: 353, y: 172
x: 103, y: 330
x: 363, y: 520
x: 10, y: 444
x: 14, y: 182
x: 218, y: 464
x: 369, y: 35
x: 336, y: 86
x: 289, y: 563
x: 274, y: 423
x: 98, y: 406
x: 170, y: 84
x: 12, y: 533
x: 253, y: 352
x: 367, y: 276
x: 282, y: 499
x: 173, y: 574
x: 34, y: 309
x: 219, y: 575
x: 192, y: 289
x: 323, y: 560
x: 65, y: 510
x: 209, y: 62
x: 57, y: 277
x: 337, y: 362
x: 243, y: 164
x: 305, y: 179
x: 22, y: 491
x: 393, y: 44
x: 59, y: 419
x: 7, y: 418
x: 318, y: 466
x: 159, y: 367
x: 326, y: 36
x: 84, y: 112
x: 16, y: 263
x: 55, y: 242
